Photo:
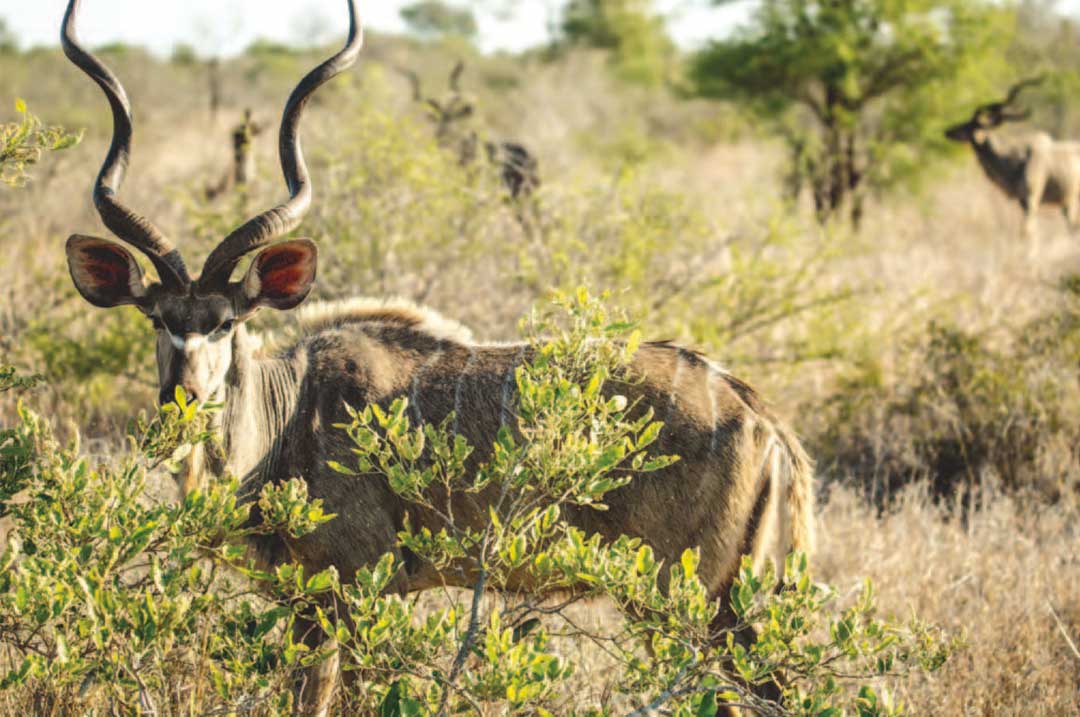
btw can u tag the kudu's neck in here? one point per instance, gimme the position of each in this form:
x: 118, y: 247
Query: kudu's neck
x: 994, y: 161
x: 259, y: 399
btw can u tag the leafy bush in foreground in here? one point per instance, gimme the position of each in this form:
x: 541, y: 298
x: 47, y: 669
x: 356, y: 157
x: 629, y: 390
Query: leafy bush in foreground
x: 110, y: 603
x: 23, y: 143
x: 107, y: 599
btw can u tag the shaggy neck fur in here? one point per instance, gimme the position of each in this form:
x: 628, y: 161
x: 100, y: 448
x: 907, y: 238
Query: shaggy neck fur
x: 997, y: 158
x: 259, y: 397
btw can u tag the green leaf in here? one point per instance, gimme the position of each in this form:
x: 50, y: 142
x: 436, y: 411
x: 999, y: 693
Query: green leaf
x: 339, y: 468
x: 707, y: 707
x: 689, y: 561
x: 319, y: 582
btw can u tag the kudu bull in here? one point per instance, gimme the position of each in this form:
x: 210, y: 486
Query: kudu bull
x: 1033, y: 168
x: 743, y: 486
x: 518, y: 168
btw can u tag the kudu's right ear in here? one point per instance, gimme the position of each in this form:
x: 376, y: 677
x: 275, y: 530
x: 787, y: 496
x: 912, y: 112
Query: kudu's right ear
x: 106, y: 274
x: 281, y: 276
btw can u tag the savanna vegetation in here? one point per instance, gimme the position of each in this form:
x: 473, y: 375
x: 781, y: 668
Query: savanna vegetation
x: 926, y: 355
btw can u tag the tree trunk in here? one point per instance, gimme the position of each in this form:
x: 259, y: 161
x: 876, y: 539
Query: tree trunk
x: 213, y: 67
x: 838, y: 177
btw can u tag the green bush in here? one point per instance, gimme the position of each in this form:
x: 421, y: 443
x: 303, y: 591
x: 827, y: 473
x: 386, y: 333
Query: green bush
x: 641, y: 50
x: 23, y: 143
x: 106, y: 599
x: 964, y: 410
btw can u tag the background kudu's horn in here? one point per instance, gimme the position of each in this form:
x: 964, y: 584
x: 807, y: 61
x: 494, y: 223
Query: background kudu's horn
x: 1003, y: 108
x: 455, y: 76
x: 414, y: 82
x: 264, y: 228
x: 129, y: 226
x: 1015, y: 90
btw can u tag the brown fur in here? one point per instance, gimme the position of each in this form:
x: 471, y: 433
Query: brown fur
x: 731, y: 448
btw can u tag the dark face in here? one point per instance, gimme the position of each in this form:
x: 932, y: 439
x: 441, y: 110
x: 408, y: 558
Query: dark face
x: 194, y: 343
x: 975, y: 128
x: 447, y: 118
x: 960, y: 132
x: 985, y: 119
x: 195, y: 330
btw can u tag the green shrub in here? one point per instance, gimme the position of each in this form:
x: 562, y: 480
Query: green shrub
x: 641, y: 51
x: 575, y: 445
x: 964, y: 410
x: 10, y: 380
x: 100, y: 370
x: 23, y: 143
x: 106, y: 599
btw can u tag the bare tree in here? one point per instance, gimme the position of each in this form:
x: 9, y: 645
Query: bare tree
x: 242, y: 170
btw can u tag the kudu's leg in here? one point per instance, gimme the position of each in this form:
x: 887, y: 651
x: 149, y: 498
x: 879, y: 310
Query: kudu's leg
x: 1071, y: 208
x: 1032, y: 197
x: 315, y: 686
x: 770, y: 690
x: 1030, y: 231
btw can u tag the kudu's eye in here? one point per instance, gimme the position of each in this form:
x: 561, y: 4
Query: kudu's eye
x: 226, y: 326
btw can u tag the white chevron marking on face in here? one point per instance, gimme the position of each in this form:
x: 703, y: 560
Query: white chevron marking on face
x: 189, y: 342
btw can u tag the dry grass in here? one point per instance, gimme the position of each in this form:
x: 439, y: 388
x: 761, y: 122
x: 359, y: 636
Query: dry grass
x: 994, y: 577
x: 954, y: 253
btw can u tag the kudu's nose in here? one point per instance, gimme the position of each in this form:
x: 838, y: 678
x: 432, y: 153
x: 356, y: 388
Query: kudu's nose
x: 167, y: 395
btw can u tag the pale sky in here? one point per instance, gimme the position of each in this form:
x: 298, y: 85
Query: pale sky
x: 224, y: 27
x: 228, y: 26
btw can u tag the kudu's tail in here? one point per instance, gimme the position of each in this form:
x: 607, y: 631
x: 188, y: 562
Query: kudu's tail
x: 796, y: 472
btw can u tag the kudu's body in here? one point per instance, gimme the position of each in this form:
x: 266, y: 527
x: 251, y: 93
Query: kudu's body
x: 743, y: 484
x: 1032, y: 168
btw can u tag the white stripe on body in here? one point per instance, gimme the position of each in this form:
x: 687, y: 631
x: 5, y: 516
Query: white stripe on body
x: 505, y: 414
x: 679, y: 362
x: 775, y: 462
x: 414, y: 392
x: 709, y: 374
x: 458, y: 387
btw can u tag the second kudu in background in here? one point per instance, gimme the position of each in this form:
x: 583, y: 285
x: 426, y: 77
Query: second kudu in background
x: 242, y: 170
x: 1031, y: 167
x: 518, y: 168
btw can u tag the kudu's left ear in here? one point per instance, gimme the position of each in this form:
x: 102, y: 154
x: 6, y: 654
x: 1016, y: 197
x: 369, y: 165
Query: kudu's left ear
x: 281, y: 275
x: 106, y: 274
